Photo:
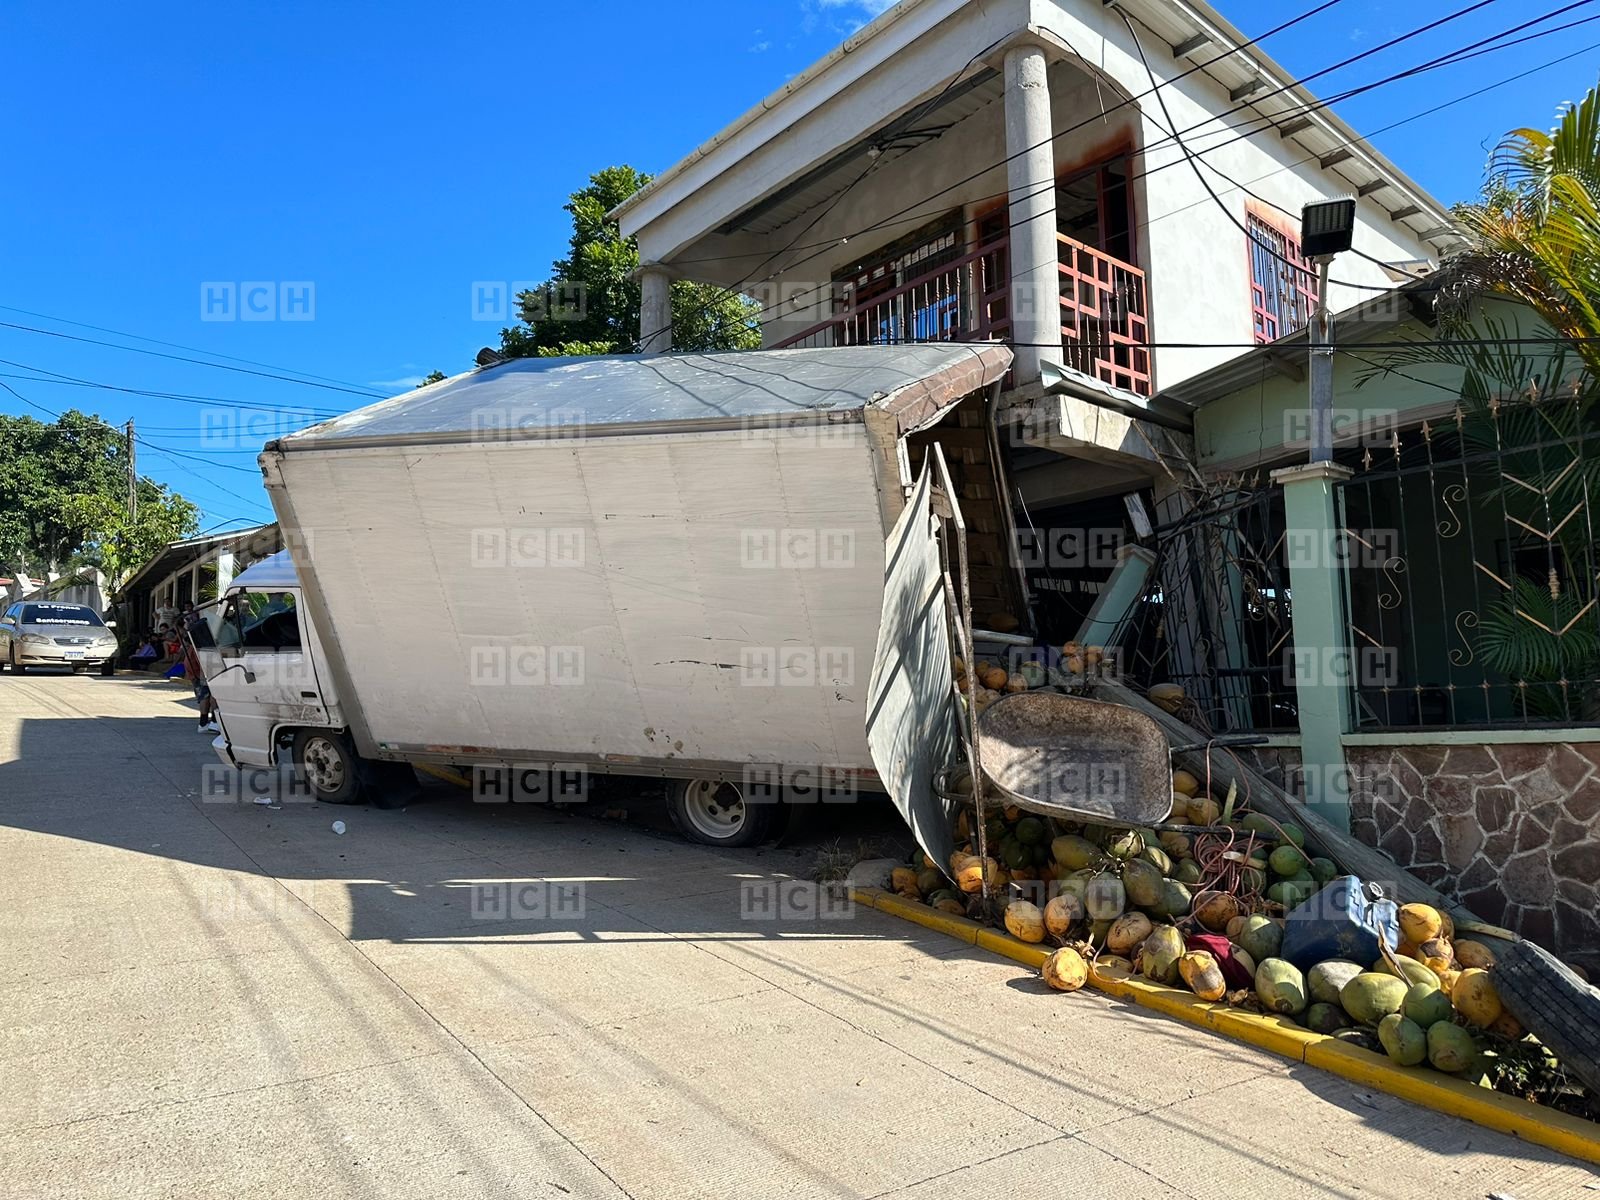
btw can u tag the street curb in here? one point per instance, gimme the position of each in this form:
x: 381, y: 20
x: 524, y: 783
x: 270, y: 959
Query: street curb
x: 1442, y: 1093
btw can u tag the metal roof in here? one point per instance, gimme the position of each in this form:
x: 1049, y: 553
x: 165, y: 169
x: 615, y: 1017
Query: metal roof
x: 566, y: 397
x: 179, y: 554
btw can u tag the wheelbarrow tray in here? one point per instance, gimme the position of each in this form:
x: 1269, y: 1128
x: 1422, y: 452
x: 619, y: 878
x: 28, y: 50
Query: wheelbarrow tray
x: 1086, y: 760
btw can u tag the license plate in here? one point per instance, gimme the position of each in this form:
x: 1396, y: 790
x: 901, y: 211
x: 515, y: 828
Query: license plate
x: 72, y: 654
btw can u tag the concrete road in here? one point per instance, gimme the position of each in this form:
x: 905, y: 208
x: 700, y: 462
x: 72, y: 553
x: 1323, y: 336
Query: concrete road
x: 224, y: 999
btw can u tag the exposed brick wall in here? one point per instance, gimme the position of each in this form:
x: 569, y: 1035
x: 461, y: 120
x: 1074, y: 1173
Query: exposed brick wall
x: 1512, y: 831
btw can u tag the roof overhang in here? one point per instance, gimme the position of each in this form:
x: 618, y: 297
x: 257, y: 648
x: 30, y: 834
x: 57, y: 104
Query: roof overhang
x: 177, y: 555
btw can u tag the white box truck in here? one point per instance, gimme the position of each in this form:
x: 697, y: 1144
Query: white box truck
x: 717, y: 569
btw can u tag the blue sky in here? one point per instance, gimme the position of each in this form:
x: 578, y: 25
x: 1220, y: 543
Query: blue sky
x: 394, y: 154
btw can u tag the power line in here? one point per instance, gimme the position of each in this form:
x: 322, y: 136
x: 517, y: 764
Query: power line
x: 1325, y: 5
x: 1461, y: 54
x: 60, y: 380
x: 171, y: 345
x: 72, y: 337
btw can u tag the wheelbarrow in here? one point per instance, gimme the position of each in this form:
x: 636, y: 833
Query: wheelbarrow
x: 1085, y: 760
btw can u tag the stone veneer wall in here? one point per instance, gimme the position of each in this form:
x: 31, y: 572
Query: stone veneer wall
x: 1512, y: 831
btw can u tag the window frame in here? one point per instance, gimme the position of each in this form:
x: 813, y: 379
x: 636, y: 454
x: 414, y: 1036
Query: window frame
x: 1296, y: 297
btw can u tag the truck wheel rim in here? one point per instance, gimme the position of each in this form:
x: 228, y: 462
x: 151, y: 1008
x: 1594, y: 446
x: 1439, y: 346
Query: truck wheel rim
x: 324, y: 765
x: 715, y: 809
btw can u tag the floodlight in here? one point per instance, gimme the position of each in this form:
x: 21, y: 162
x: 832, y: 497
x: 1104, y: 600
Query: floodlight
x: 1327, y: 227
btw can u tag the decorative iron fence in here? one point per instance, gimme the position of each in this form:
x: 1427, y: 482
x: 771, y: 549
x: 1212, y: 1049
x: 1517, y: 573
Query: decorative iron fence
x: 1475, y: 567
x: 1216, y: 614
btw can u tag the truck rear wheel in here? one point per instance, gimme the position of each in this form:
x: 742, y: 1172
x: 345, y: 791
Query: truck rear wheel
x: 718, y: 813
x: 328, y: 764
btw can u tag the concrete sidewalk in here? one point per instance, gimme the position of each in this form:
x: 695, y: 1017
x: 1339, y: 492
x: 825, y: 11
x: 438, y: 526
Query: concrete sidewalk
x: 205, y: 999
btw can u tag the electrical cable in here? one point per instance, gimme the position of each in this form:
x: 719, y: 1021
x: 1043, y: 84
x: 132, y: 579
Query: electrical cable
x: 61, y: 380
x: 1461, y: 54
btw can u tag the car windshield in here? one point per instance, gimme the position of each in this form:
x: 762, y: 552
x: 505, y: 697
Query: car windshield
x: 60, y: 614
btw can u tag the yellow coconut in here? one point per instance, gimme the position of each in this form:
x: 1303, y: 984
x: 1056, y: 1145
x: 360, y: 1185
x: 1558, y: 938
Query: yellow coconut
x: 903, y: 880
x: 1016, y: 683
x: 1065, y: 970
x: 952, y: 906
x: 970, y: 877
x: 1420, y: 923
x: 1025, y: 921
x: 1475, y: 998
x: 1186, y: 783
x: 1127, y: 931
x: 1180, y: 808
x: 1166, y: 695
x: 1447, y: 926
x: 1447, y: 980
x: 1200, y: 971
x: 1203, y: 810
x: 1474, y: 954
x: 1062, y: 913
x: 994, y: 678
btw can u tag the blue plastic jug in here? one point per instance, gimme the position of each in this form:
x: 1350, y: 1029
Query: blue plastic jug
x: 1343, y: 920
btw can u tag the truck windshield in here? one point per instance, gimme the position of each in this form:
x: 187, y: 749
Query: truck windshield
x: 259, y: 621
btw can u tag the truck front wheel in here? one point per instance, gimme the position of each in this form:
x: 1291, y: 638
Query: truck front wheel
x: 328, y: 764
x: 718, y: 813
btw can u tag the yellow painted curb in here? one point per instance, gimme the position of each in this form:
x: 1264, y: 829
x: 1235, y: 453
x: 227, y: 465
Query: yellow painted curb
x: 1442, y: 1093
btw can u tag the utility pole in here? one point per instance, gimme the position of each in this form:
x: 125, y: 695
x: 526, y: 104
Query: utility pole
x: 133, y: 479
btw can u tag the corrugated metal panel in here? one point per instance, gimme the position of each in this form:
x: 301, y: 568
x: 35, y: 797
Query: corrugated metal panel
x: 554, y: 397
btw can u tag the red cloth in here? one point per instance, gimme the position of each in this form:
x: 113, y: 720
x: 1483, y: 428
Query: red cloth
x: 1221, y: 949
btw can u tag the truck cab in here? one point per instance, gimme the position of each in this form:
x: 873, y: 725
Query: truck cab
x: 265, y: 667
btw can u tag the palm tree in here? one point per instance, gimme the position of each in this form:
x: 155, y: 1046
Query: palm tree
x: 1535, y: 241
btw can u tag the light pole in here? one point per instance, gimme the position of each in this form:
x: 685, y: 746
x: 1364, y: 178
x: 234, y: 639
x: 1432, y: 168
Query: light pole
x: 1327, y: 227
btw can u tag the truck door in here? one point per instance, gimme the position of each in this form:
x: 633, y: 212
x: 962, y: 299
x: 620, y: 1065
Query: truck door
x: 260, y: 671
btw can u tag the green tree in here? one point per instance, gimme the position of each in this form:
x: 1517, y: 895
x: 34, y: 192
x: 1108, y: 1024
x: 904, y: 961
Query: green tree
x: 434, y: 376
x: 590, y: 304
x: 63, y: 499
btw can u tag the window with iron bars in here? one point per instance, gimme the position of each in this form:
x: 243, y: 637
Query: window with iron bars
x: 1283, y: 284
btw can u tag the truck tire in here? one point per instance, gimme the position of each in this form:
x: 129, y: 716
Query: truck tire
x: 1552, y: 1003
x: 327, y: 762
x: 718, y: 813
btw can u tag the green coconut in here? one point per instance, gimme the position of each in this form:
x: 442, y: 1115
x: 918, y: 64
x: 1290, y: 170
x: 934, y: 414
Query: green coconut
x: 1324, y: 870
x: 1325, y: 1018
x: 1252, y: 879
x: 1258, y: 823
x: 1162, y: 950
x: 1177, y: 845
x: 1372, y: 996
x: 1294, y: 833
x: 1031, y: 831
x: 1158, y: 858
x: 929, y: 880
x: 1414, y: 972
x: 1175, y: 899
x: 1126, y: 844
x: 1280, y: 987
x: 1105, y: 899
x: 1260, y: 937
x: 1451, y: 1048
x: 1187, y: 872
x: 1327, y: 979
x: 1098, y: 931
x: 1286, y: 861
x: 1143, y: 882
x: 1403, y: 1039
x: 1292, y: 893
x: 1074, y: 852
x: 1427, y: 1006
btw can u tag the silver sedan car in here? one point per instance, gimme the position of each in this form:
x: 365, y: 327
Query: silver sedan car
x: 38, y: 633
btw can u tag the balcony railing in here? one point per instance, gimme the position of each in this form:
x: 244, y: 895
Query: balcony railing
x: 1104, y: 311
x: 965, y: 300
x: 1105, y: 325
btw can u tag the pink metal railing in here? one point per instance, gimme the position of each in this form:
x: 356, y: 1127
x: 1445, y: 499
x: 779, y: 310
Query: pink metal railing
x: 1105, y: 323
x: 961, y: 301
x: 1104, y: 311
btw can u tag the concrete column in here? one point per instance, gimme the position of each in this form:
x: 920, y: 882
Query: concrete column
x: 655, y: 310
x: 1323, y: 661
x: 225, y: 571
x: 1030, y: 177
x: 1124, y: 589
